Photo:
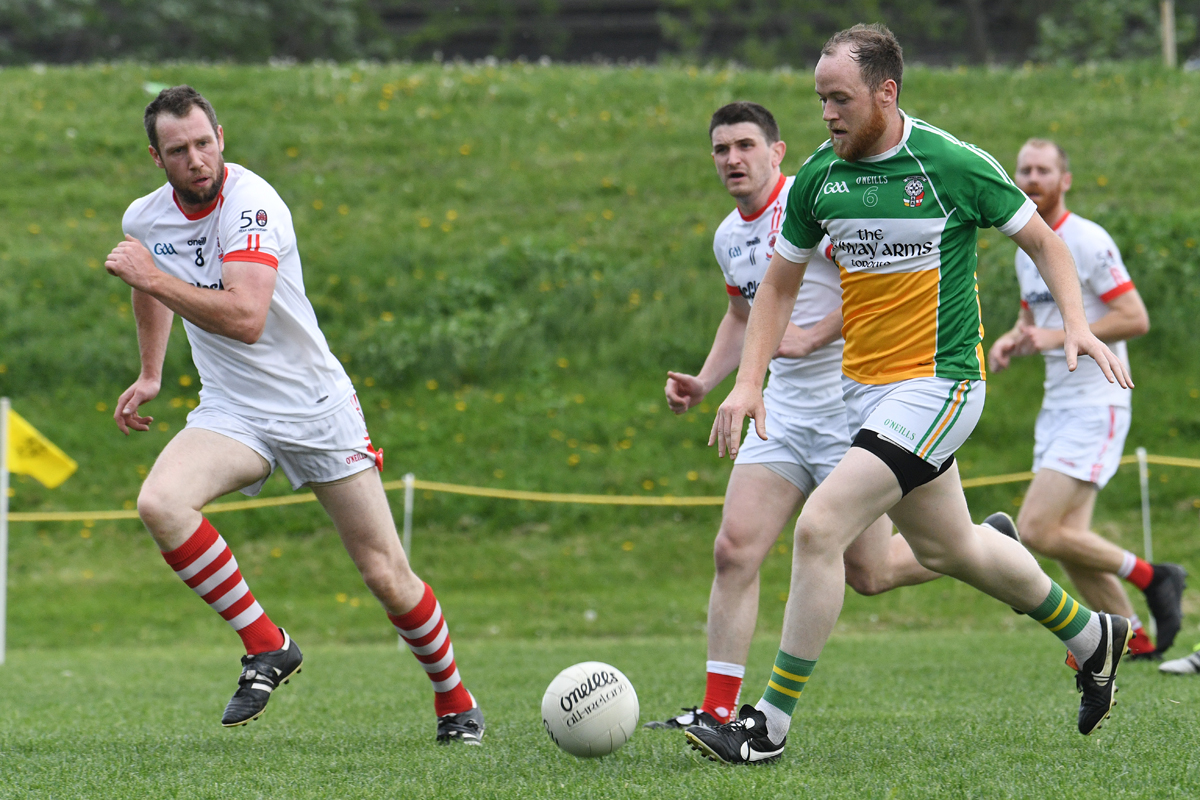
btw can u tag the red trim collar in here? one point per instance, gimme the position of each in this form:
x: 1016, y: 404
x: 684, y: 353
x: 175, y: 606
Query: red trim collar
x: 1060, y: 222
x: 770, y: 201
x: 207, y: 209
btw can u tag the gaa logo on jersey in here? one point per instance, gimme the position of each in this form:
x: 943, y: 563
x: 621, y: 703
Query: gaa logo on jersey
x: 914, y: 191
x: 261, y: 218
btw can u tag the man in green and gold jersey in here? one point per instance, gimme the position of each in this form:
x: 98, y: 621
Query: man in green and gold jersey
x: 902, y: 202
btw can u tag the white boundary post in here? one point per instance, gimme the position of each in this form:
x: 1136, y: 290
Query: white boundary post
x: 1144, y: 479
x: 409, y: 480
x: 1166, y: 10
x: 4, y: 408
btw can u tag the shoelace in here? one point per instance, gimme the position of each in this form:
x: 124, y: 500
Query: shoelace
x: 735, y: 725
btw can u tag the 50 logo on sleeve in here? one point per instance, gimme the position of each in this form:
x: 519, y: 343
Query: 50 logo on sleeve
x: 249, y: 218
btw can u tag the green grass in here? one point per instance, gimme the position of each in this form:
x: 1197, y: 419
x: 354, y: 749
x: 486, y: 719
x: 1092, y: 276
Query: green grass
x: 908, y: 715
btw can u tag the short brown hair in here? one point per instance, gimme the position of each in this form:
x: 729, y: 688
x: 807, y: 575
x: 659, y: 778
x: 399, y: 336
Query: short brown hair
x: 178, y: 101
x: 742, y: 111
x: 875, y: 49
x: 1064, y: 161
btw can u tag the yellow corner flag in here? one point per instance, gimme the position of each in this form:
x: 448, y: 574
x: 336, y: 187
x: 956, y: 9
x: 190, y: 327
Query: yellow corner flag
x: 30, y: 453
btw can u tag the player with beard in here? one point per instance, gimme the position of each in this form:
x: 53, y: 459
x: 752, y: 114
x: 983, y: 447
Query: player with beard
x: 803, y: 402
x: 215, y: 245
x: 1081, y: 428
x: 902, y: 202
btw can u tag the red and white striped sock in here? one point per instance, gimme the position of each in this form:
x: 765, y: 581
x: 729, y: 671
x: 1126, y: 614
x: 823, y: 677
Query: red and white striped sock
x: 426, y: 633
x: 206, y: 564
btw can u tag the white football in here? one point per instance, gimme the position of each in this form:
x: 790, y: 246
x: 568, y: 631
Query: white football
x: 590, y: 709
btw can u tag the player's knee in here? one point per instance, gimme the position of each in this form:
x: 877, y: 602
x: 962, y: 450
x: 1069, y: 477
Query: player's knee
x: 1037, y: 533
x: 865, y: 581
x: 155, y: 507
x: 730, y: 552
x: 815, y: 534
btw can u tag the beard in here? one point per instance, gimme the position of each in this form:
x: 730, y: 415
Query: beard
x: 194, y: 198
x: 1048, y: 200
x: 857, y: 145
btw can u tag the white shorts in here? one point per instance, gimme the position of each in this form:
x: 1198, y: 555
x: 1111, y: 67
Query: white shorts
x: 1083, y: 443
x: 322, y: 450
x: 802, y: 451
x: 928, y: 417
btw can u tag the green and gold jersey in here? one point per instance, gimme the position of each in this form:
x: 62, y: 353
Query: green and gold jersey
x: 904, y: 226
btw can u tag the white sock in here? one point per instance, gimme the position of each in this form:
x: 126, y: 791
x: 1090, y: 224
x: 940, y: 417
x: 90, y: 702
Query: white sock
x: 725, y: 668
x: 1127, y: 565
x: 778, y: 722
x: 1134, y: 622
x: 1083, y: 644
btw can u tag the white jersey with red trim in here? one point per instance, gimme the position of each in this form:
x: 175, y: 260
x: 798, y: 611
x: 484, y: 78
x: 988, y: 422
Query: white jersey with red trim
x: 289, y: 373
x: 1102, y: 276
x: 743, y: 246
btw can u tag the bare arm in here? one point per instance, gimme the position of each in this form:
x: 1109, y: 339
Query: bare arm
x: 684, y: 391
x: 154, y: 330
x: 238, y: 311
x: 773, y: 303
x: 1126, y: 318
x: 1053, y: 260
x: 799, y: 342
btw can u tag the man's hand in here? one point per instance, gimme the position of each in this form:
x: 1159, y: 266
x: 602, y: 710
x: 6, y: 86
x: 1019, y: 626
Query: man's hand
x: 684, y: 391
x: 131, y: 262
x: 142, y: 391
x: 1009, y: 346
x: 744, y: 401
x: 797, y: 342
x: 1038, y: 340
x: 1084, y: 342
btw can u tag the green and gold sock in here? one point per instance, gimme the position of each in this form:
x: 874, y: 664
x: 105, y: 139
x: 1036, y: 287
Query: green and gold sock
x: 788, y: 679
x: 1070, y: 621
x: 1061, y: 614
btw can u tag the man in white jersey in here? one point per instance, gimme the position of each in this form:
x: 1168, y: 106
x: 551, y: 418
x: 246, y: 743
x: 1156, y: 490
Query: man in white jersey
x: 215, y: 245
x: 1081, y: 428
x: 902, y: 202
x: 804, y: 409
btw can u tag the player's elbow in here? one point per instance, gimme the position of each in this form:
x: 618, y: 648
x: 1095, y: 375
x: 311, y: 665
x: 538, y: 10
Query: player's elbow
x: 250, y: 329
x: 1141, y: 325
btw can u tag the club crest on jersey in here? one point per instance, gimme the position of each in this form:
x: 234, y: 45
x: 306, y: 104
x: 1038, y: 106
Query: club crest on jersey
x: 914, y: 191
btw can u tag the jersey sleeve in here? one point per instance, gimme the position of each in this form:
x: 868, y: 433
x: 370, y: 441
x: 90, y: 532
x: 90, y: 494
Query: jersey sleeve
x: 133, y: 222
x: 256, y: 226
x: 801, y: 233
x: 722, y: 255
x: 1104, y: 272
x: 984, y: 193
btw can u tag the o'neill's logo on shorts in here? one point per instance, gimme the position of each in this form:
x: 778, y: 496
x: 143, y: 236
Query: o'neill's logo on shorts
x: 914, y: 191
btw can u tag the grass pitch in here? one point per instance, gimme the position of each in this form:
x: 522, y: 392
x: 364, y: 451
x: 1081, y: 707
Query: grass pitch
x: 930, y: 714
